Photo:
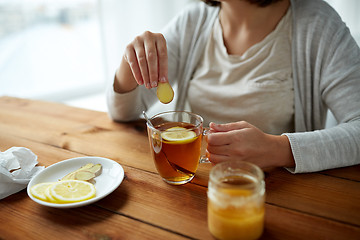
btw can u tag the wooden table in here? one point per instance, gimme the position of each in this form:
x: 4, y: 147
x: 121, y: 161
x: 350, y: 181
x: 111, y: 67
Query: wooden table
x: 323, y: 205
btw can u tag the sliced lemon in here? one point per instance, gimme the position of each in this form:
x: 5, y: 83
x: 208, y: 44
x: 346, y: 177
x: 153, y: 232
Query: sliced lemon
x: 48, y: 196
x: 179, y: 135
x: 68, y: 191
x: 39, y: 190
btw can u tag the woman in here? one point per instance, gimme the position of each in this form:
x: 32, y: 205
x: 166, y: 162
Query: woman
x: 266, y: 70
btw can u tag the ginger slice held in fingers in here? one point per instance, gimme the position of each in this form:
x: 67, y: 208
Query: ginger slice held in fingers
x: 164, y: 92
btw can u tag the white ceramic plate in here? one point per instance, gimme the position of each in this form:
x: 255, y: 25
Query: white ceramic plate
x: 110, y: 178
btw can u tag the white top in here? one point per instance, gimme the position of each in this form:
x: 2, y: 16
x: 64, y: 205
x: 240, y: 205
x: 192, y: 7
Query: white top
x: 255, y: 86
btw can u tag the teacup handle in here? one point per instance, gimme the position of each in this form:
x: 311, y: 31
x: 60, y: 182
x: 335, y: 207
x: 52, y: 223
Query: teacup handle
x: 204, y: 158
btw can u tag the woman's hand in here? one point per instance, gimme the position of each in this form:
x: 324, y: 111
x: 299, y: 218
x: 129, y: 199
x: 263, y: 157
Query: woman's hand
x: 243, y: 141
x: 144, y: 62
x: 147, y: 58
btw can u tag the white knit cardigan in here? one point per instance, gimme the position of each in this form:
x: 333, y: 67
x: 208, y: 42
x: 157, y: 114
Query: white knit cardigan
x: 326, y: 73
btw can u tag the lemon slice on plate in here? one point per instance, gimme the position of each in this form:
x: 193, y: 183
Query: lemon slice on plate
x: 48, y: 196
x: 179, y: 135
x: 39, y: 190
x: 70, y: 191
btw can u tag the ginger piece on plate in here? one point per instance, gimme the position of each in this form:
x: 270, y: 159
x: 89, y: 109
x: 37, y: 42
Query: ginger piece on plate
x: 86, y: 173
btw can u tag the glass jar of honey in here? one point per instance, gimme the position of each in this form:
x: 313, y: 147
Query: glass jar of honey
x: 236, y: 198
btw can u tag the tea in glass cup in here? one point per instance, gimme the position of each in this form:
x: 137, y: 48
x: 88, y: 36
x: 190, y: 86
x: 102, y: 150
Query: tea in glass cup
x: 236, y: 199
x: 175, y: 139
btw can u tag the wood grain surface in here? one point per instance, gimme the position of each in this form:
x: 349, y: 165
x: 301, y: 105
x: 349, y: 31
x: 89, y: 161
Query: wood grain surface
x: 323, y: 205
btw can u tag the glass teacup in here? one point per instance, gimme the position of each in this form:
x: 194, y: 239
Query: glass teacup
x: 176, y: 143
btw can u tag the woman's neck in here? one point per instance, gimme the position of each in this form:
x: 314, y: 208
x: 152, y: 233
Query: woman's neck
x: 245, y: 24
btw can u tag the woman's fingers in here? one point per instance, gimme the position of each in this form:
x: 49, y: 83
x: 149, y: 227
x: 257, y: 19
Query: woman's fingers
x: 222, y: 150
x: 162, y: 57
x: 229, y: 126
x: 130, y: 57
x: 219, y: 138
x: 139, y: 48
x: 147, y: 58
x: 215, y: 158
x: 151, y: 59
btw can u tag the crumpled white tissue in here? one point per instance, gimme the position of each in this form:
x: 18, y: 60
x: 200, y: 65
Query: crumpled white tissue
x: 17, y: 167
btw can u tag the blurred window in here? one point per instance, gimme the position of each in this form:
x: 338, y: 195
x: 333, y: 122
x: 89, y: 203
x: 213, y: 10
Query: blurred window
x: 59, y: 50
x: 50, y: 49
x: 349, y: 12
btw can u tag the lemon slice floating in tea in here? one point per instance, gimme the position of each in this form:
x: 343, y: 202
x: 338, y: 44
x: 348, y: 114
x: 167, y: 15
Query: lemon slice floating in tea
x: 179, y: 135
x: 68, y: 191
